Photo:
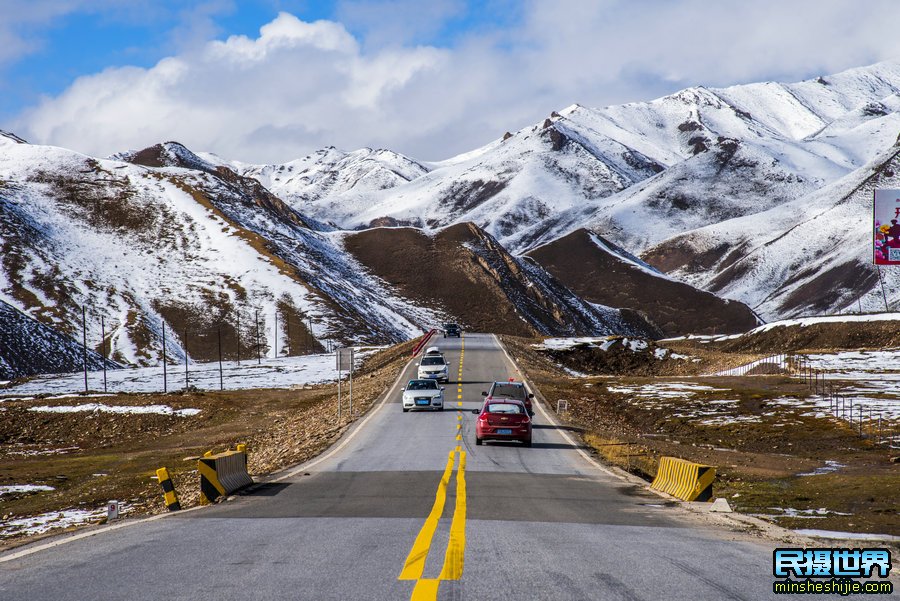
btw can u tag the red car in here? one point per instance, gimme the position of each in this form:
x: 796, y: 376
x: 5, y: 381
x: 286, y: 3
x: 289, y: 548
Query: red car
x: 503, y: 419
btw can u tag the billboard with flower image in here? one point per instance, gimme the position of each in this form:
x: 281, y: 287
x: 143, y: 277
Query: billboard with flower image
x: 887, y: 227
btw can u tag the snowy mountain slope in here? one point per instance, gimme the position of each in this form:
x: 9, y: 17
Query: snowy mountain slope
x: 809, y: 255
x: 29, y: 348
x: 146, y: 245
x: 639, y: 172
x: 321, y: 183
x: 601, y: 272
x: 471, y: 276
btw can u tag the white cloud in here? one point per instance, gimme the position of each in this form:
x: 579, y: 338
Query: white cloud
x: 300, y: 86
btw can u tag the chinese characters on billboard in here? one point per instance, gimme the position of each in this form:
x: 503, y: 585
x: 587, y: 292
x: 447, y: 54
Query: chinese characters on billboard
x: 887, y: 227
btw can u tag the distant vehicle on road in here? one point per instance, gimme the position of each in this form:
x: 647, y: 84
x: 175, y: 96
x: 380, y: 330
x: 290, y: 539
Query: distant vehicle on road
x: 434, y: 366
x: 423, y: 394
x: 503, y: 420
x: 451, y: 330
x: 510, y: 390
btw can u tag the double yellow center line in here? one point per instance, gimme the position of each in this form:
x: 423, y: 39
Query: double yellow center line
x: 426, y: 589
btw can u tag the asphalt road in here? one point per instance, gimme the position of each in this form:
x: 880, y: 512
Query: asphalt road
x: 392, y: 515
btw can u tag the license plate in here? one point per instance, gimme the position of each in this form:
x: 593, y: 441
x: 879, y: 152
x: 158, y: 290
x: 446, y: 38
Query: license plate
x: 423, y: 402
x: 504, y: 431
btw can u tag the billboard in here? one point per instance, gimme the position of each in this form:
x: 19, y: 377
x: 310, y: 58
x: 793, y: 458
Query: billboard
x: 886, y: 231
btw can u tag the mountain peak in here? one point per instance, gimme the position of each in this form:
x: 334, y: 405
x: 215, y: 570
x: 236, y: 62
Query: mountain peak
x: 6, y: 136
x: 166, y: 154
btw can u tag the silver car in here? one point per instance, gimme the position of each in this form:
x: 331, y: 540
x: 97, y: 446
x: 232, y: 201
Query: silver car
x: 423, y: 394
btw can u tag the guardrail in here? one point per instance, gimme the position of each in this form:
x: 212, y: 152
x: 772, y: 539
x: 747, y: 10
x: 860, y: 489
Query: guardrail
x: 423, y: 342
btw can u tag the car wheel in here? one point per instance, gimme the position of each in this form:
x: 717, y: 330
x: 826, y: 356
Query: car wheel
x: 478, y: 441
x: 405, y: 410
x: 528, y: 443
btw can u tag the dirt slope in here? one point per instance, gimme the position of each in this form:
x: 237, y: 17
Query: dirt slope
x: 604, y: 277
x: 473, y: 279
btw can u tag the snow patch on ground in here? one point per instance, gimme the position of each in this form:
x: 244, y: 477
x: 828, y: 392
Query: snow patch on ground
x: 829, y: 467
x: 45, y: 522
x: 284, y: 372
x: 847, y: 535
x: 121, y: 409
x: 13, y: 489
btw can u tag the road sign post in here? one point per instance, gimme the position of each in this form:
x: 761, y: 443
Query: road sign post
x: 344, y: 359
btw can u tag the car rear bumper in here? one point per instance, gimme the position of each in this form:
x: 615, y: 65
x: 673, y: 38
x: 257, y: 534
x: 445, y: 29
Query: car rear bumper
x: 441, y: 377
x: 517, y: 434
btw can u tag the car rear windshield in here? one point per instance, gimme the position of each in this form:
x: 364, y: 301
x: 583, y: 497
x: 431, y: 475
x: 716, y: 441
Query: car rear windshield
x: 422, y: 385
x: 509, y: 391
x: 432, y: 361
x: 505, y: 408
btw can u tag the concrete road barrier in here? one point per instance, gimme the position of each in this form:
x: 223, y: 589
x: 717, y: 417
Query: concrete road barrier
x: 685, y: 480
x: 222, y: 474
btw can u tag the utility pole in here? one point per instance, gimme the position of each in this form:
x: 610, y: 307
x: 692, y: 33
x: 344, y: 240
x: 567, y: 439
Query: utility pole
x: 276, y: 334
x: 84, y: 344
x: 103, y: 347
x: 258, y: 356
x: 165, y: 384
x: 883, y: 293
x: 238, y: 333
x: 351, y: 382
x: 221, y: 379
x: 186, y: 382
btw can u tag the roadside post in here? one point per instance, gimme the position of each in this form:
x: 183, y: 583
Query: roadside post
x: 344, y: 358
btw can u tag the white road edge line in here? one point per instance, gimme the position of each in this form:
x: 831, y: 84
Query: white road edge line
x: 294, y: 471
x: 95, y: 532
x: 351, y: 436
x: 550, y: 418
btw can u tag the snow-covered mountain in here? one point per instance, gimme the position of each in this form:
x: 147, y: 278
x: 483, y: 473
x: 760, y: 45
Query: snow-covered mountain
x: 645, y: 173
x: 182, y: 242
x: 759, y: 193
x: 809, y: 255
x: 324, y: 183
x: 166, y: 239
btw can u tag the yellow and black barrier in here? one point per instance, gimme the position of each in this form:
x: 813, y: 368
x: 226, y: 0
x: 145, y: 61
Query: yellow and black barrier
x: 222, y: 474
x: 172, y: 504
x: 685, y: 480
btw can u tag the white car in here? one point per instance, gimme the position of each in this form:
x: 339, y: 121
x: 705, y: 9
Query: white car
x: 423, y: 394
x: 434, y: 366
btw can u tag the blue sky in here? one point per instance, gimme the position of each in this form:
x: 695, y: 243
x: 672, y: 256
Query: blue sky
x: 85, y: 40
x: 429, y: 79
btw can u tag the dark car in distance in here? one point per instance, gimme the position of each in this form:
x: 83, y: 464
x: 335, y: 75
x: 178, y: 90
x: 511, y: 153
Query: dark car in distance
x: 510, y: 390
x: 452, y: 330
x: 503, y: 420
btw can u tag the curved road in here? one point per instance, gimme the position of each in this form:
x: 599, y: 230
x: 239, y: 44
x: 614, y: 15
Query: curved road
x: 410, y: 508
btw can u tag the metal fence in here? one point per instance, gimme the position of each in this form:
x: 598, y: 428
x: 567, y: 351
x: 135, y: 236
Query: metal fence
x: 863, y: 419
